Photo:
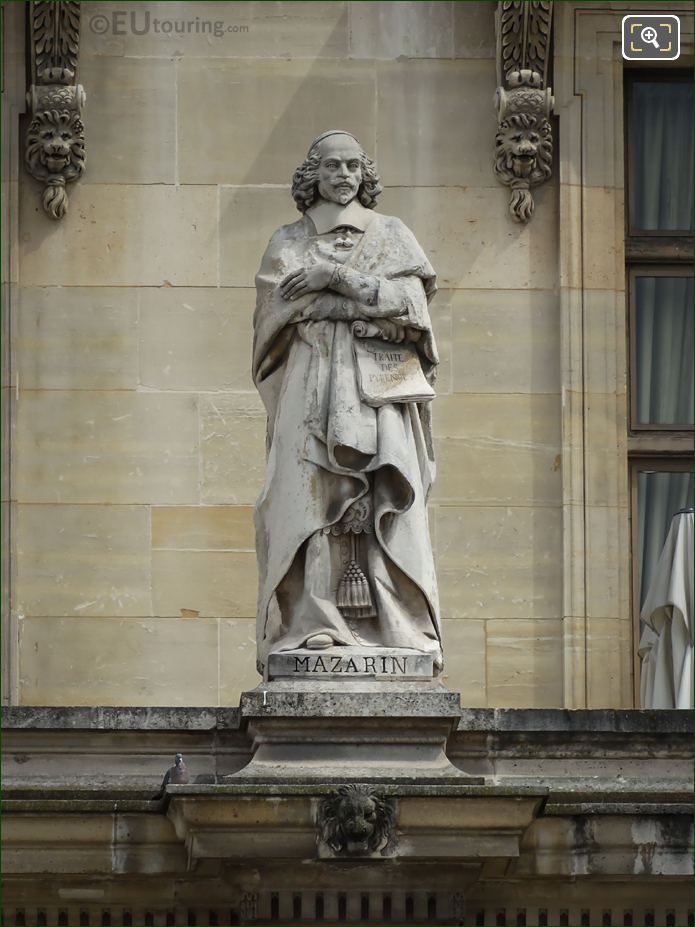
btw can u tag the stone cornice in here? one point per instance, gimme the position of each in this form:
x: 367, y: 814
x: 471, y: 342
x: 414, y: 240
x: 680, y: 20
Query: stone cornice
x: 555, y: 720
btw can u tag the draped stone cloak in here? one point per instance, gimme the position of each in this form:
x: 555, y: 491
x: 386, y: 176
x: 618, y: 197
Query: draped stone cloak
x: 327, y: 448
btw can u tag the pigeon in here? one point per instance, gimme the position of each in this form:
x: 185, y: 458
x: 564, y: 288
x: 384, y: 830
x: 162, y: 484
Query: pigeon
x: 175, y: 775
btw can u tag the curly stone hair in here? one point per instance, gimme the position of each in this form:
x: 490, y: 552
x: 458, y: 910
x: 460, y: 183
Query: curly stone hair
x: 305, y: 180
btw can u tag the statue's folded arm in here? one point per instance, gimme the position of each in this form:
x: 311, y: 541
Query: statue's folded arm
x: 391, y: 300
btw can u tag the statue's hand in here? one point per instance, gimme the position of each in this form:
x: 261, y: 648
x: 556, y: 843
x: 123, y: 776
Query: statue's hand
x: 309, y: 279
x: 390, y: 330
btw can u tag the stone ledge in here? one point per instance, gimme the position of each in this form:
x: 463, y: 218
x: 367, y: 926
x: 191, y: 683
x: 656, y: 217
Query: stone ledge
x: 98, y: 718
x: 560, y: 800
x: 561, y: 720
x: 464, y: 823
x: 636, y: 809
x: 514, y: 720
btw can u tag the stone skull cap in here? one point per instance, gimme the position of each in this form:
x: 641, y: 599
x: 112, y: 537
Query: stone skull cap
x: 321, y: 137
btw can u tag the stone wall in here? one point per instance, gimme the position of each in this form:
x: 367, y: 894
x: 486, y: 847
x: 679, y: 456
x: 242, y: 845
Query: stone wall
x: 138, y: 439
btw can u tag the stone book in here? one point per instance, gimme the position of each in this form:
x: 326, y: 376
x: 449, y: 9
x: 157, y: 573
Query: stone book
x: 389, y: 373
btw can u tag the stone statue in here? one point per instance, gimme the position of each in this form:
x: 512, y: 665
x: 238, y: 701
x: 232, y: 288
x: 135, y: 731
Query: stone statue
x: 344, y: 359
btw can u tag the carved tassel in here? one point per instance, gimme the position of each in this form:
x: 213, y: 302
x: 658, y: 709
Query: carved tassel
x: 354, y: 597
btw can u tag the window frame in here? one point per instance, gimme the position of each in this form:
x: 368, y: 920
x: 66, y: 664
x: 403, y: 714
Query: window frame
x: 635, y: 270
x: 632, y: 76
x: 665, y: 448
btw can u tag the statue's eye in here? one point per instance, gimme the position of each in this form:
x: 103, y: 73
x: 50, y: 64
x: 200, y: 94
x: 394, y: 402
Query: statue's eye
x: 331, y: 164
x: 353, y: 165
x: 533, y: 137
x: 48, y: 134
x: 65, y: 136
x: 516, y: 138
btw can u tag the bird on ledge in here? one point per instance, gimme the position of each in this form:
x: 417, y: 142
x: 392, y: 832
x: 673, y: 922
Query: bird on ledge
x: 175, y: 775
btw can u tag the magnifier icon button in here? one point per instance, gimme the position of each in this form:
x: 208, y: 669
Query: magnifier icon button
x: 648, y: 36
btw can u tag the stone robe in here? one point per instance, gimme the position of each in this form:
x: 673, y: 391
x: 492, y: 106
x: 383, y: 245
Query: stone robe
x: 328, y: 450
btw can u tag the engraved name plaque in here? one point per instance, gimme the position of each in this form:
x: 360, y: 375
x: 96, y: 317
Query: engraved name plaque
x: 352, y: 662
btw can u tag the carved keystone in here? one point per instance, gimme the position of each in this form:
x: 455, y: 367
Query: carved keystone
x: 356, y: 820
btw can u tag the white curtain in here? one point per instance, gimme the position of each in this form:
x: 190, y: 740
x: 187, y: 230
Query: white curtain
x: 666, y: 644
x: 661, y: 148
x: 659, y: 496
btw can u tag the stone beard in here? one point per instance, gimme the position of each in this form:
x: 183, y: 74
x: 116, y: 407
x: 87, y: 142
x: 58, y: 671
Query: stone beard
x: 344, y: 360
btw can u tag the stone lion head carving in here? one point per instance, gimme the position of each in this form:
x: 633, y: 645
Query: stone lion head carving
x: 55, y: 155
x: 55, y: 144
x: 355, y: 820
x: 523, y: 158
x: 524, y: 147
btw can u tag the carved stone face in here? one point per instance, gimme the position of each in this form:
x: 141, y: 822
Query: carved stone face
x: 358, y: 813
x: 340, y: 169
x: 356, y: 820
x: 55, y: 144
x: 523, y: 148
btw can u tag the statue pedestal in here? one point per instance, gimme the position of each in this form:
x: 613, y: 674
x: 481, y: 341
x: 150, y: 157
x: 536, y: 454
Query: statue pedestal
x: 365, y: 730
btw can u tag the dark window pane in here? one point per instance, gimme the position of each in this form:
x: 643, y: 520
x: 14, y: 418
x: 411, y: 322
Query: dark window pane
x: 664, y: 350
x: 661, y: 155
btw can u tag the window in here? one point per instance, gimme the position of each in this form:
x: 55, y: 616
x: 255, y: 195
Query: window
x: 660, y: 312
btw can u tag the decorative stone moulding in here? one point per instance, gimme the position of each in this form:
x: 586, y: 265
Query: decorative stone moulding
x: 475, y: 825
x: 523, y: 100
x: 54, y: 151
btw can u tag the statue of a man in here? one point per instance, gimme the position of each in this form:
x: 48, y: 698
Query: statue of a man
x: 344, y: 359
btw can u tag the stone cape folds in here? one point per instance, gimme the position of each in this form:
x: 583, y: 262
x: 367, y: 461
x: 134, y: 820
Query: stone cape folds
x: 327, y: 448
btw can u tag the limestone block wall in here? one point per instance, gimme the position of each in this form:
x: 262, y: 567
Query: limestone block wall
x: 138, y: 439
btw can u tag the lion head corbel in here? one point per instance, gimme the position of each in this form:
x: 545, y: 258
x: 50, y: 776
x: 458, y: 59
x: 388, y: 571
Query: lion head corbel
x: 55, y: 139
x: 55, y: 155
x: 523, y: 143
x: 356, y: 820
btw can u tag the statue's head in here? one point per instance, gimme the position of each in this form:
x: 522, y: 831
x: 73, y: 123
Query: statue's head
x: 338, y: 170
